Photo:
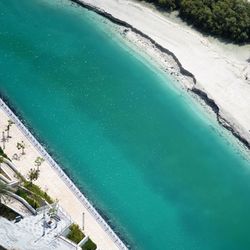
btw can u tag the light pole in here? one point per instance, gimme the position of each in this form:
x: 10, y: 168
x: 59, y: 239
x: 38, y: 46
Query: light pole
x: 43, y: 221
x: 83, y: 220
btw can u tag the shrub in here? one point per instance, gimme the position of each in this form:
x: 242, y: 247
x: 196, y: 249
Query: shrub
x: 229, y: 19
x: 89, y: 245
x: 38, y: 191
x: 35, y: 202
x: 75, y: 234
x: 3, y: 154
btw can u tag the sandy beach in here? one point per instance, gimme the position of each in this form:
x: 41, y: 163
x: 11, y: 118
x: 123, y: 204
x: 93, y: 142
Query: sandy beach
x: 221, y: 71
x: 56, y: 185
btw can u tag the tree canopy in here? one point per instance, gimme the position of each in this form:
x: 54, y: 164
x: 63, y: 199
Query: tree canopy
x: 33, y: 174
x: 229, y: 19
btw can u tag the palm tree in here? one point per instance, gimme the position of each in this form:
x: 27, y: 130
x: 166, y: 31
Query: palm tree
x: 21, y: 146
x: 10, y: 122
x: 3, y: 139
x: 33, y: 174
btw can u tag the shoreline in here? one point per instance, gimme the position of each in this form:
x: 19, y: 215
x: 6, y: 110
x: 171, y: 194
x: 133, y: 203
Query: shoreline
x: 168, y: 62
x: 133, y: 29
x: 108, y: 234
x: 166, y: 58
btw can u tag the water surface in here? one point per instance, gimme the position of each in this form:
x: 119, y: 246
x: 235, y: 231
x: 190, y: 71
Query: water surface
x: 137, y: 146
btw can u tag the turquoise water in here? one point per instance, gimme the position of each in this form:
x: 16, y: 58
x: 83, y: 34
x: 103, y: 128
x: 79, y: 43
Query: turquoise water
x: 135, y: 145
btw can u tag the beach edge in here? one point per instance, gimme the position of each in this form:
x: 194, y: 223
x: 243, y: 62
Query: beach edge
x: 233, y: 127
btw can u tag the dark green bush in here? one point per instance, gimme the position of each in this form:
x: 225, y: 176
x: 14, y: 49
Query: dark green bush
x: 75, y: 234
x: 35, y: 203
x: 89, y: 245
x: 229, y: 19
x: 38, y: 191
x: 3, y: 154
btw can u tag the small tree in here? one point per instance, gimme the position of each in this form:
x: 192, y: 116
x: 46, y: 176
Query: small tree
x: 21, y: 146
x: 10, y: 122
x: 3, y: 139
x: 54, y: 209
x: 33, y: 174
x: 38, y: 162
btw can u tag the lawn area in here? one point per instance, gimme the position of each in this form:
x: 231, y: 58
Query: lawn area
x: 33, y: 195
x: 34, y: 200
x: 38, y: 191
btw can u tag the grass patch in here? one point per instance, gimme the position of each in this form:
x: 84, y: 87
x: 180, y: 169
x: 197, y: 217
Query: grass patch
x: 34, y: 200
x: 38, y: 191
x: 33, y: 195
x: 7, y: 213
x: 75, y: 234
x: 89, y: 245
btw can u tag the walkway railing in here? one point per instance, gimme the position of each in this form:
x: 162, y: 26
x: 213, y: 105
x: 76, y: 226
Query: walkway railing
x: 64, y: 177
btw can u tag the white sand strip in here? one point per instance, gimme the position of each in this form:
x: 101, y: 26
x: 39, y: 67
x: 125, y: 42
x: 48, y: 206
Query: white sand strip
x: 221, y: 70
x: 56, y: 183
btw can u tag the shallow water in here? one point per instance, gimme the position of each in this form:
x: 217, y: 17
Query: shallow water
x: 138, y: 147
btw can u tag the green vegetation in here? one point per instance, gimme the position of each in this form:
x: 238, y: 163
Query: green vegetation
x: 21, y: 146
x: 39, y: 160
x: 34, y: 200
x: 75, y: 234
x: 10, y: 123
x: 7, y: 213
x: 27, y: 190
x: 38, y: 191
x: 89, y: 245
x: 3, y: 154
x: 229, y: 19
x: 33, y: 195
x: 30, y: 192
x: 33, y: 174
